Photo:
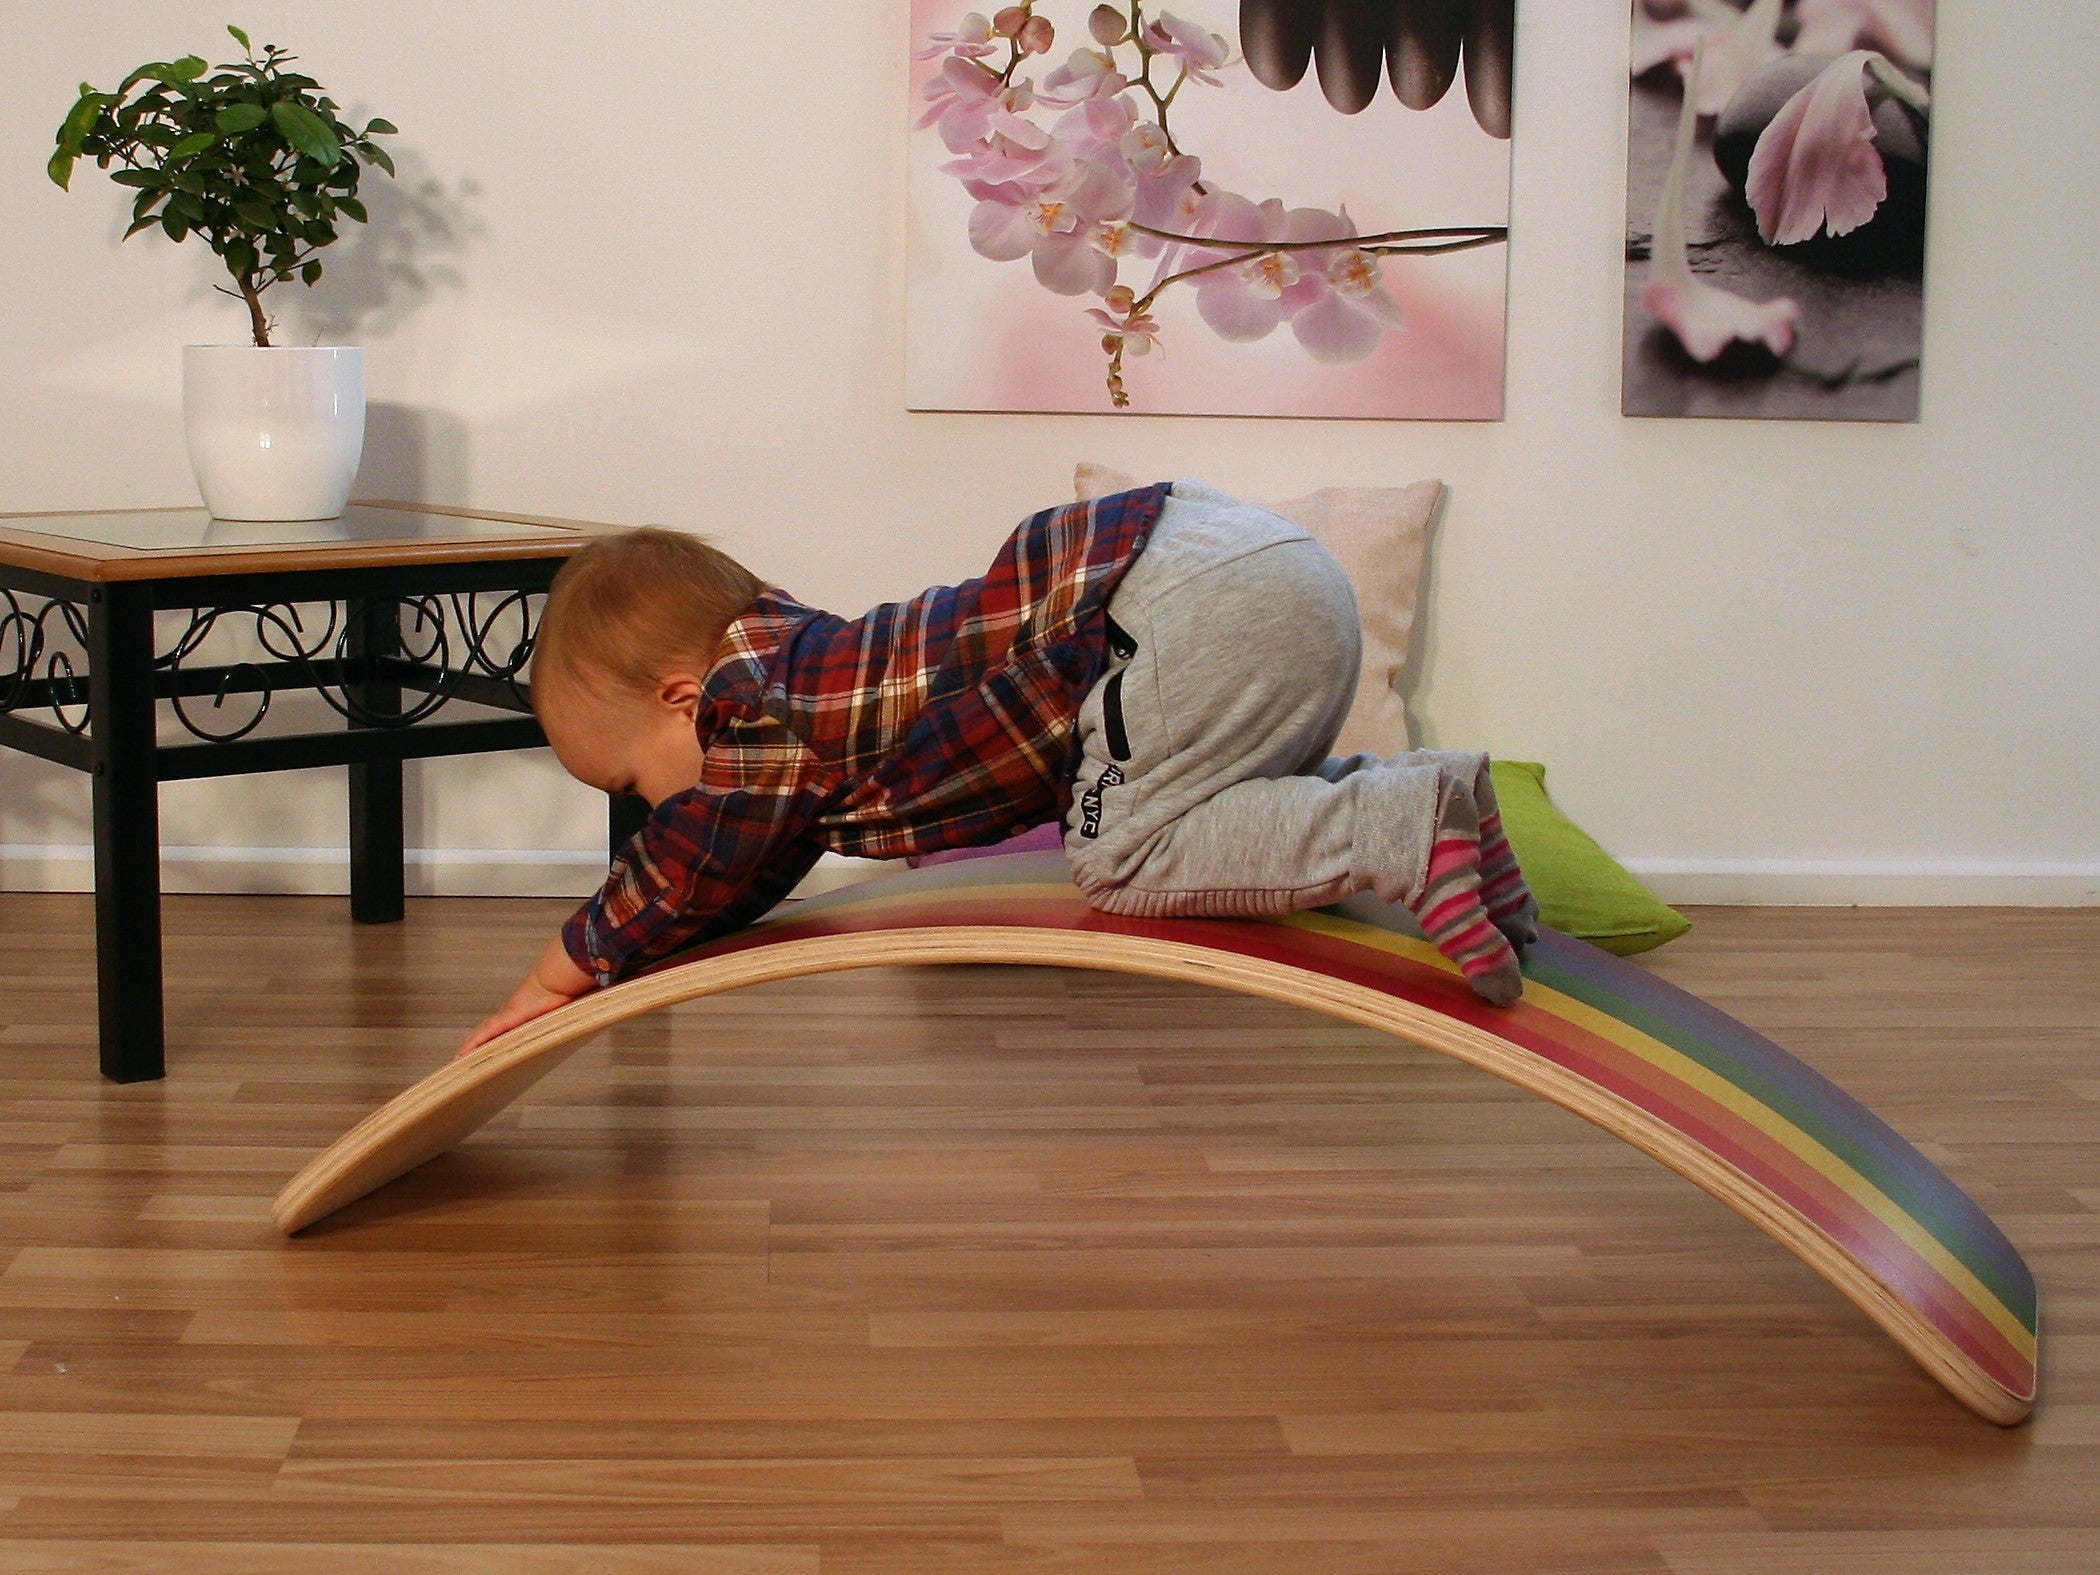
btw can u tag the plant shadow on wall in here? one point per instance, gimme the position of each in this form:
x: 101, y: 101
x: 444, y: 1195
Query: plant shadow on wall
x: 380, y: 276
x: 1780, y: 148
x: 383, y: 273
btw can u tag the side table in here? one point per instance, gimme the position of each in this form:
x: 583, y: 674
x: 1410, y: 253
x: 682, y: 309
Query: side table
x: 115, y: 630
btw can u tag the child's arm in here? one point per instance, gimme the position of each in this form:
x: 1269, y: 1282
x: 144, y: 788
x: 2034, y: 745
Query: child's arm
x: 554, y: 981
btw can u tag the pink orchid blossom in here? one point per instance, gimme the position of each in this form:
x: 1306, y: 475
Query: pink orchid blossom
x: 1705, y: 318
x: 1115, y: 238
x: 1028, y: 154
x: 1815, y: 167
x: 1055, y: 227
x: 1243, y: 302
x: 1737, y: 45
x: 1247, y: 300
x: 1166, y: 198
x: 1136, y: 153
x: 1094, y: 128
x: 1197, y: 50
x: 1090, y: 81
x: 968, y: 103
x: 1086, y: 73
x: 972, y: 37
x: 1899, y: 28
x: 1146, y: 148
x: 1128, y: 329
x: 1338, y: 307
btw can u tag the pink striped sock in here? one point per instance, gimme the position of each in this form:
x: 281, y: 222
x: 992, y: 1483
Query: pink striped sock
x: 1503, y: 893
x: 1449, y: 906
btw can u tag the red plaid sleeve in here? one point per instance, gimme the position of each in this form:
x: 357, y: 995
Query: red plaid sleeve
x: 709, y: 860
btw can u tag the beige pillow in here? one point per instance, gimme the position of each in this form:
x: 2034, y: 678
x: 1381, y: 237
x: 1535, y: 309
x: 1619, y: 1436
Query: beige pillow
x: 1379, y: 536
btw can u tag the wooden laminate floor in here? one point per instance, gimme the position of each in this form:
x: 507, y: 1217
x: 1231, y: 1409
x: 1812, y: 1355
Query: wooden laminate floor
x: 1001, y: 1270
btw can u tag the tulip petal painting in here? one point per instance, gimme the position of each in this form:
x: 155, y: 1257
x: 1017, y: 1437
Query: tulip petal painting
x: 1230, y: 207
x: 1775, y: 208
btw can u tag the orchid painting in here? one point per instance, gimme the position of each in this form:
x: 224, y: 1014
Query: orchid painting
x: 1210, y: 209
x: 1776, y: 207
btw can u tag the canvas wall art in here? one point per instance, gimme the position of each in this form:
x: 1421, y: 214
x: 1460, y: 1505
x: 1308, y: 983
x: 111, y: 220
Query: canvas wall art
x: 1230, y: 207
x: 1775, y: 208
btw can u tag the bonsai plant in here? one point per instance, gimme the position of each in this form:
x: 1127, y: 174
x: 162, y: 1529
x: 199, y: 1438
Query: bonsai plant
x: 254, y: 159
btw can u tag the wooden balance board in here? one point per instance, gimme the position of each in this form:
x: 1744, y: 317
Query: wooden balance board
x: 1708, y: 1097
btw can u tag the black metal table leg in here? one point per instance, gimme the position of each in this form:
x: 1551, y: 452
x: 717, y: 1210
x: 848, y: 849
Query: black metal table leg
x: 377, y: 883
x: 127, y: 830
x: 625, y: 814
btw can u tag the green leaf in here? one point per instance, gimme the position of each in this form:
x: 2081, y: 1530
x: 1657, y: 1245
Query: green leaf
x: 188, y: 208
x: 180, y: 73
x: 237, y: 118
x: 60, y: 169
x: 150, y: 178
x: 353, y: 207
x: 258, y: 214
x: 381, y: 128
x: 196, y: 143
x: 137, y: 225
x: 80, y: 119
x: 377, y: 155
x: 175, y: 227
x: 240, y: 38
x: 241, y: 258
x: 310, y: 271
x: 306, y: 131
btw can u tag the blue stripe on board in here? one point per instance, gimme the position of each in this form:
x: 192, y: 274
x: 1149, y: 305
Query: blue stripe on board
x: 1734, y: 1050
x: 1729, y: 1048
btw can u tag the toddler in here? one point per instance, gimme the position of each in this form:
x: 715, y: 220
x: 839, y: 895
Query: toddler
x: 1165, y: 669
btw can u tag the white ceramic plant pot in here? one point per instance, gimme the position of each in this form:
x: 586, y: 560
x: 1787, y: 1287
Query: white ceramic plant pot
x: 276, y: 433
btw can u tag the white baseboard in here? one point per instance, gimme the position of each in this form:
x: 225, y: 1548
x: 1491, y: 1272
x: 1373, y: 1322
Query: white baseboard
x: 431, y: 872
x: 1871, y: 883
x: 542, y: 872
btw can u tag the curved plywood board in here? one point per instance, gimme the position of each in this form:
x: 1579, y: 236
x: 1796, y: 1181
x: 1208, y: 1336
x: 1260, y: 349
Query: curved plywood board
x: 1704, y: 1094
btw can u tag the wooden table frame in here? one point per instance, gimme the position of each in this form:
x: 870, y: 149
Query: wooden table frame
x: 105, y: 721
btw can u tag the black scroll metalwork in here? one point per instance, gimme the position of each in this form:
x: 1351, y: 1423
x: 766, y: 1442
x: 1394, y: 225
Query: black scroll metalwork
x: 431, y: 649
x: 36, y: 668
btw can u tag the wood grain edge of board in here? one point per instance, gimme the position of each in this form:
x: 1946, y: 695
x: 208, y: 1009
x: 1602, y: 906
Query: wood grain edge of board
x: 438, y: 1112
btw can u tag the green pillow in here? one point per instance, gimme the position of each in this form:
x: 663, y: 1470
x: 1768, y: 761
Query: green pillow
x: 1582, y: 890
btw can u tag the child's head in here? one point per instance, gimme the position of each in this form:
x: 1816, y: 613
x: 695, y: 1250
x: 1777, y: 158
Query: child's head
x: 631, y: 626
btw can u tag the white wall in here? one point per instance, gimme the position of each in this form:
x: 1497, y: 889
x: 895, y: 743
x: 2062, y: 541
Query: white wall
x: 639, y: 269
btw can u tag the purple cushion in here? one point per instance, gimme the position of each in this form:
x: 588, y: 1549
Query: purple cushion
x: 1037, y: 839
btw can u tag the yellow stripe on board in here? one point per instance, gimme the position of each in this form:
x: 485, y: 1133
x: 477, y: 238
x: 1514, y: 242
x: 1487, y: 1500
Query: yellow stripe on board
x: 1675, y: 1063
x: 1553, y: 1003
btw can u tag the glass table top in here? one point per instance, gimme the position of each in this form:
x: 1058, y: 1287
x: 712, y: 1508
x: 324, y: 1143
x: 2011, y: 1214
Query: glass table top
x: 163, y: 530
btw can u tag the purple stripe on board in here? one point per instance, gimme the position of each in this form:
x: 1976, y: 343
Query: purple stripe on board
x: 1833, y: 1116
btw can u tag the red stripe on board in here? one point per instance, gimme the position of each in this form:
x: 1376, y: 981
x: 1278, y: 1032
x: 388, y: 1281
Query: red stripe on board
x: 1753, y: 1152
x: 1792, y: 1180
x: 1780, y: 1170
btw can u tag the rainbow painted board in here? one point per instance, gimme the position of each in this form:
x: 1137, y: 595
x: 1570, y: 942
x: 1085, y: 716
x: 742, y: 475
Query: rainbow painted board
x: 1704, y: 1094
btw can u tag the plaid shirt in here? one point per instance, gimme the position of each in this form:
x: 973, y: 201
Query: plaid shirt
x: 942, y: 722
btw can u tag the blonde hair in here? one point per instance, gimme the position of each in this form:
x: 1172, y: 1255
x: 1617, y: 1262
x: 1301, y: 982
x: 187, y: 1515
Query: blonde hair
x: 636, y: 605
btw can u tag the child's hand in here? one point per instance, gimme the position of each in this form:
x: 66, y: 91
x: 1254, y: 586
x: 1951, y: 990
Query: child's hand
x: 554, y: 982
